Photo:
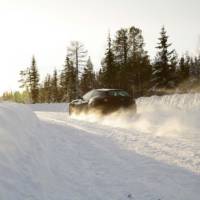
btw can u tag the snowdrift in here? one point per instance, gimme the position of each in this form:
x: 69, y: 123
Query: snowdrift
x: 171, y: 114
x: 21, y: 171
x: 179, y: 101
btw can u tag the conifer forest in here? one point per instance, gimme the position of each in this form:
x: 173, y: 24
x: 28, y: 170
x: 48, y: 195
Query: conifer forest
x: 125, y: 65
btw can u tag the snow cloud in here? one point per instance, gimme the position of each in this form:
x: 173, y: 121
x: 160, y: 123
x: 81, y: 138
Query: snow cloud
x: 163, y: 116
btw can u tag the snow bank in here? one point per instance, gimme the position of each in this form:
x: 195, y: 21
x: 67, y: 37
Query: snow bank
x: 171, y: 114
x: 21, y: 171
x: 180, y: 101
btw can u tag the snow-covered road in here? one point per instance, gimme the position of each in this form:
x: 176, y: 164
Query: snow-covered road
x: 45, y: 155
x: 92, y: 161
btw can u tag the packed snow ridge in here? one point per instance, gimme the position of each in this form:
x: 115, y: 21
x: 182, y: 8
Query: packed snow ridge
x: 21, y: 162
x: 46, y: 155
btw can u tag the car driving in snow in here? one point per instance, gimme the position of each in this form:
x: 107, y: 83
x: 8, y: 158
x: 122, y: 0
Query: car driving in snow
x: 102, y: 100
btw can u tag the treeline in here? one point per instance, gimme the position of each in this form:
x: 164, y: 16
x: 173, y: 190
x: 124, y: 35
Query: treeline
x: 19, y: 97
x: 126, y: 65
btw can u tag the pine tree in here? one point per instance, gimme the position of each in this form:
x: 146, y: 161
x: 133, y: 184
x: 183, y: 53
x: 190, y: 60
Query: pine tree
x: 68, y: 80
x: 99, y: 83
x: 184, y: 68
x: 109, y: 76
x: 173, y: 74
x: 126, y: 64
x: 162, y: 73
x: 195, y: 68
x: 121, y: 48
x: 34, y: 81
x: 62, y: 83
x: 25, y: 79
x: 25, y: 83
x: 47, y: 89
x: 88, y: 77
x: 54, y: 86
x: 198, y: 67
x: 41, y: 94
x: 139, y: 69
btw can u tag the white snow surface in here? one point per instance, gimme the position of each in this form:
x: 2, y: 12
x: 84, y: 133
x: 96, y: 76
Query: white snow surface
x: 22, y: 166
x: 155, y: 154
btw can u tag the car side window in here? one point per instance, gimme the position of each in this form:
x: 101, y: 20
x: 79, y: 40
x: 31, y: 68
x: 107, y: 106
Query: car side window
x: 118, y: 93
x: 112, y: 93
x: 123, y: 93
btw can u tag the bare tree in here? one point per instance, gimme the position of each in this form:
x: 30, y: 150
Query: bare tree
x: 77, y: 54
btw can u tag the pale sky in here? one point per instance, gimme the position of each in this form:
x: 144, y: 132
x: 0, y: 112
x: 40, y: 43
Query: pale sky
x: 44, y: 28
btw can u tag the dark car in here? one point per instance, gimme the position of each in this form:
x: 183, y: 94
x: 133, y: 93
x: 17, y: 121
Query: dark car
x: 103, y: 100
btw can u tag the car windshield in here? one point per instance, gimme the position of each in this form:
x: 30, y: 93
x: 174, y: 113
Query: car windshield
x: 93, y: 93
x: 88, y: 95
x: 117, y: 93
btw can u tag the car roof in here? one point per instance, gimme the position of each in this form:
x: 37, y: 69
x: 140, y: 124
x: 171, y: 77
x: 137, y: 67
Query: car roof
x: 106, y: 90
